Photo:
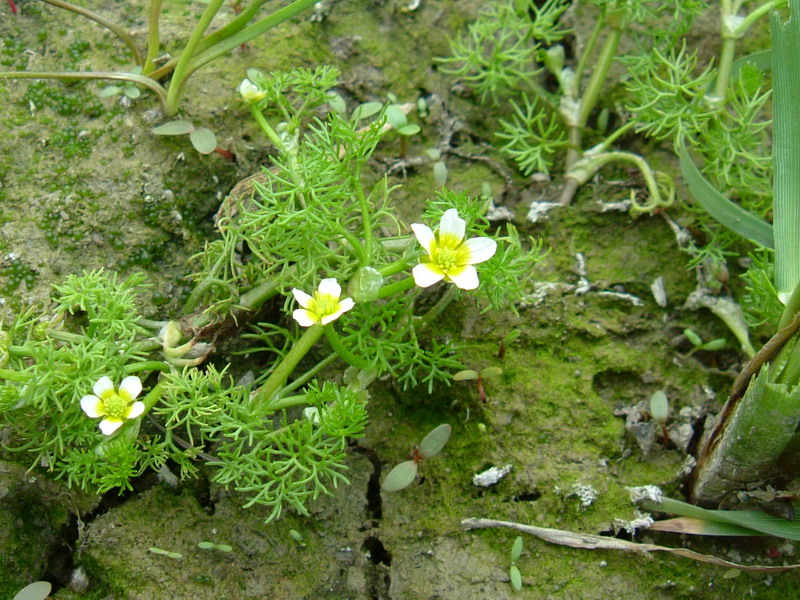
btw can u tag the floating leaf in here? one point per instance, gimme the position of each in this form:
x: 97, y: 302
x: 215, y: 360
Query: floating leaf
x: 433, y: 443
x: 203, y: 140
x: 38, y: 590
x: 173, y: 128
x: 400, y: 477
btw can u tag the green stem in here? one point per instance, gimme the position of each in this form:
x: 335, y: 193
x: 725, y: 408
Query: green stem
x: 236, y: 25
x: 267, y: 128
x: 306, y: 377
x: 422, y: 322
x: 396, y: 287
x: 11, y: 375
x: 153, y: 37
x: 160, y: 92
x: 281, y: 373
x: 395, y: 267
x: 148, y: 365
x: 255, y: 30
x: 85, y: 12
x: 182, y: 70
x: 593, y: 89
x: 153, y: 395
x: 585, y: 54
x: 336, y: 343
x: 288, y: 402
x: 724, y: 71
x: 366, y: 217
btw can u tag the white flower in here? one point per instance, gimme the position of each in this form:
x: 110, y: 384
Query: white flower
x: 324, y: 307
x: 116, y: 405
x: 450, y: 257
x: 251, y: 92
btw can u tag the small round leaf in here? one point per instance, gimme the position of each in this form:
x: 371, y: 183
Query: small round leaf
x: 203, y: 140
x: 516, y: 549
x: 132, y: 92
x: 439, y: 173
x: 717, y: 344
x: 395, y: 116
x: 491, y: 372
x: 38, y: 590
x: 400, y: 477
x: 692, y: 337
x: 206, y: 545
x: 110, y: 90
x: 336, y: 102
x: 659, y: 406
x: 465, y: 375
x: 173, y: 128
x: 362, y: 111
x: 433, y: 443
x: 516, y: 578
x: 410, y: 129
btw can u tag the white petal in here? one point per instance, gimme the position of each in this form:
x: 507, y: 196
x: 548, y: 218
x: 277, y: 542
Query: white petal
x: 425, y: 276
x: 302, y: 316
x: 302, y: 298
x: 135, y: 410
x: 103, y: 386
x: 424, y: 236
x: 480, y: 249
x: 109, y: 425
x: 330, y: 287
x: 132, y: 386
x: 93, y: 406
x: 467, y: 279
x: 344, y: 306
x: 452, y: 224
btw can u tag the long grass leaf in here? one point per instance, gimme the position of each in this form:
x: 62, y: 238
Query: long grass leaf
x: 786, y: 151
x: 748, y: 519
x: 731, y: 215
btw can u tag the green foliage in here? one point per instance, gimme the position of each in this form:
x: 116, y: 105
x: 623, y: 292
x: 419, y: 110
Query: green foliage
x: 317, y: 214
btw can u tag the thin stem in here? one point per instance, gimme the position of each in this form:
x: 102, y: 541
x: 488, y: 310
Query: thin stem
x: 586, y: 53
x: 366, y: 217
x: 336, y: 343
x: 161, y: 93
x: 288, y: 402
x: 85, y: 12
x: 11, y: 375
x: 306, y: 377
x: 267, y: 128
x: 281, y: 373
x: 182, y: 70
x: 148, y: 365
x: 396, y: 287
x: 422, y: 322
x: 395, y: 267
x: 255, y: 30
x: 153, y: 37
x: 231, y: 28
x: 593, y: 89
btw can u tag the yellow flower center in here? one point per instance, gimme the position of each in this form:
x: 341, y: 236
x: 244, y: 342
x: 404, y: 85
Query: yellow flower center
x: 449, y: 254
x: 116, y: 406
x: 323, y: 305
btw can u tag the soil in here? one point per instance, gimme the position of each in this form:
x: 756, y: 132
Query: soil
x: 84, y: 185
